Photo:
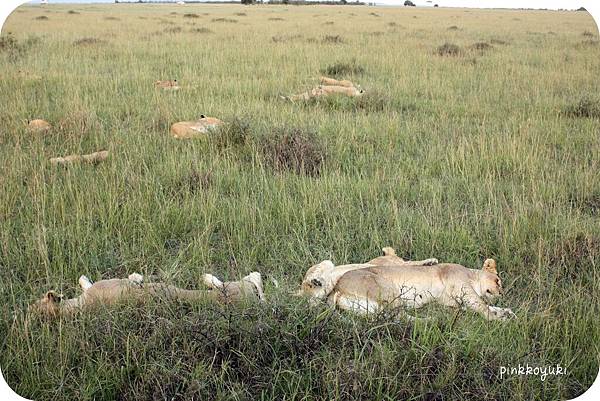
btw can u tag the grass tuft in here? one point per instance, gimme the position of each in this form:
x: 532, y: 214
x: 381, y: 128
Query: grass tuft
x: 587, y: 106
x: 344, y: 68
x: 293, y: 149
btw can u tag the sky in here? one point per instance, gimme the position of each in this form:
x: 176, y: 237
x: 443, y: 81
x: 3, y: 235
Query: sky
x: 552, y: 4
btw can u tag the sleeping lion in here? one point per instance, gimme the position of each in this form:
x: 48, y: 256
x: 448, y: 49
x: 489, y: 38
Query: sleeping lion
x: 107, y: 292
x: 366, y: 288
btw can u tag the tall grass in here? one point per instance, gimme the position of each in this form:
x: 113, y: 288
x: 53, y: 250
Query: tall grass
x: 485, y: 154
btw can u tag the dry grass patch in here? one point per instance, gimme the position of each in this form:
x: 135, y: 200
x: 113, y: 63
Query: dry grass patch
x: 90, y: 41
x: 293, y: 149
x: 587, y: 106
x: 202, y: 30
x: 341, y: 68
x: 332, y: 40
x: 228, y: 20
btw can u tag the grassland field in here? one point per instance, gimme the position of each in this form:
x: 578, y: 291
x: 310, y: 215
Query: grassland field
x: 489, y: 148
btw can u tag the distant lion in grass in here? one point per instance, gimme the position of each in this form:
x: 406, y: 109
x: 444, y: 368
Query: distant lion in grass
x: 328, y: 87
x: 107, y: 292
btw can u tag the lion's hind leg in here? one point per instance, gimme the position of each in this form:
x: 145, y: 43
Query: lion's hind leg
x: 360, y: 305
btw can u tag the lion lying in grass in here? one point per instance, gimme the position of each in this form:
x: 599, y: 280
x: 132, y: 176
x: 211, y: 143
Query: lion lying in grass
x: 92, y: 158
x: 107, y: 292
x: 328, y: 86
x: 194, y: 129
x: 321, y: 278
x: 366, y: 288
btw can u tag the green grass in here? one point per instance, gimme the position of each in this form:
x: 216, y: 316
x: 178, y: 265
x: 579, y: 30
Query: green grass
x: 489, y: 153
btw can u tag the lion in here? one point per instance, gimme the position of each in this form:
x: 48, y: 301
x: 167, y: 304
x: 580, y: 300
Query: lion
x: 92, y: 158
x: 367, y: 290
x: 321, y: 278
x: 167, y: 85
x: 335, y: 82
x: 112, y: 291
x: 326, y: 90
x: 38, y: 126
x: 192, y: 129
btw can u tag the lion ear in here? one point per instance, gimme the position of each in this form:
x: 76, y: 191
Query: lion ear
x: 490, y: 266
x: 389, y: 251
x: 53, y: 296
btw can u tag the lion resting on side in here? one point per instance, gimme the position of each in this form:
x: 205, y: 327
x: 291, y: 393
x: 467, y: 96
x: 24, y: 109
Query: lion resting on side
x: 367, y: 290
x: 107, y: 292
x: 328, y: 86
x: 193, y: 129
x: 321, y: 278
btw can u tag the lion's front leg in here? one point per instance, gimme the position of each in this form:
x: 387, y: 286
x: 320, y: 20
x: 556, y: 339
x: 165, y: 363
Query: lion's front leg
x: 503, y: 313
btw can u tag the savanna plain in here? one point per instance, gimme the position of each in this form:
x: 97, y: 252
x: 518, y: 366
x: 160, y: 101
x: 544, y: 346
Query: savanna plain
x: 478, y: 136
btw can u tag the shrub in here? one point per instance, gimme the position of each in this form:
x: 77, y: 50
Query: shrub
x: 586, y: 106
x: 340, y: 68
x: 174, y: 29
x: 481, y: 46
x: 72, y: 12
x: 293, y: 149
x: 237, y: 132
x: 42, y: 18
x: 332, y: 39
x: 449, y: 49
x: 191, y: 15
x: 88, y: 41
x: 230, y: 20
x: 201, y: 30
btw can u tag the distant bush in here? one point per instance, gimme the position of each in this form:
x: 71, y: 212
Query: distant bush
x: 481, y: 46
x: 276, y: 19
x: 449, y: 49
x: 72, y: 12
x: 16, y: 49
x: 88, y: 41
x: 236, y: 132
x: 292, y: 149
x: 588, y: 34
x: 175, y: 29
x: 498, y: 42
x: 587, y: 106
x: 191, y: 15
x: 340, y: 68
x: 332, y: 39
x: 453, y: 28
x: 201, y: 30
x: 42, y: 18
x: 230, y: 20
x: 111, y: 18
